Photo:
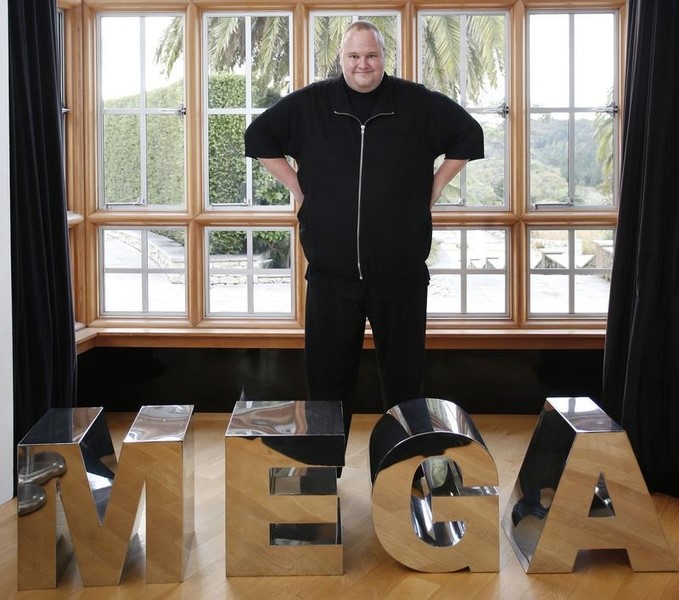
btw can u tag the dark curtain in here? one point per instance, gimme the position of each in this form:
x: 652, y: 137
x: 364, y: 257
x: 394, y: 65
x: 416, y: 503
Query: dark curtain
x: 641, y: 360
x: 42, y: 316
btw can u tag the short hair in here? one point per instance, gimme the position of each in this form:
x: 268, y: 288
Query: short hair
x: 362, y: 25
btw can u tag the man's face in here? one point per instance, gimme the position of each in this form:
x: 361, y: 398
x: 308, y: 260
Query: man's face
x: 362, y: 61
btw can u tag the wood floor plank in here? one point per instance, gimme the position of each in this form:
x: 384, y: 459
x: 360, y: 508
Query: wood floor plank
x: 369, y: 572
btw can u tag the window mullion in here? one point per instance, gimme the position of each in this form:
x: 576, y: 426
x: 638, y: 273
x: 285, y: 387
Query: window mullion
x: 463, y: 95
x: 145, y: 270
x: 142, y: 115
x: 250, y: 272
x: 571, y: 109
x: 248, y: 105
x: 571, y: 271
x: 464, y: 263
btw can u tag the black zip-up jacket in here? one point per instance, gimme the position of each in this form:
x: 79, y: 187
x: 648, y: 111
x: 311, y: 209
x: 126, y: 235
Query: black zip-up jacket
x: 367, y: 185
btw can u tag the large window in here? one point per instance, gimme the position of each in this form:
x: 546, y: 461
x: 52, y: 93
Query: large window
x: 180, y: 227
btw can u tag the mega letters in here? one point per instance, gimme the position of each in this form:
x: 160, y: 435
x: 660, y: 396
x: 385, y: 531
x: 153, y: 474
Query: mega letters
x: 435, y: 502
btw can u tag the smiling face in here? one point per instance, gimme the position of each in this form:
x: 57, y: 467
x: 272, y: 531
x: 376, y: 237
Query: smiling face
x: 362, y: 60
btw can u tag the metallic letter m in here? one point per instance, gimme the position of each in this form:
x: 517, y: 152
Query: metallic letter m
x: 69, y: 483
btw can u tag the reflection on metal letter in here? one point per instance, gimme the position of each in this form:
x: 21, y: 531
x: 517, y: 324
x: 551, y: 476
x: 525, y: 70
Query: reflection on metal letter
x: 580, y: 487
x: 435, y: 501
x: 282, y: 509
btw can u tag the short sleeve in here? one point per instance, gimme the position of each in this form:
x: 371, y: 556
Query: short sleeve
x: 456, y: 134
x: 272, y: 134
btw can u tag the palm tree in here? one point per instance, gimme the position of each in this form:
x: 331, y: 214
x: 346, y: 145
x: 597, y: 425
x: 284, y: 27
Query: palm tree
x: 455, y: 45
x: 227, y: 50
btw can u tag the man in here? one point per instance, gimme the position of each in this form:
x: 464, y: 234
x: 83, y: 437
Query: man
x: 365, y: 145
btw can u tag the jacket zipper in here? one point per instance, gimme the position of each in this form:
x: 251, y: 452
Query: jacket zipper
x: 360, y: 184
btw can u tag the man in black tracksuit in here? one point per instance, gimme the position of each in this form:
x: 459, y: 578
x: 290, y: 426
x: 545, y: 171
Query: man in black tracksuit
x: 365, y: 145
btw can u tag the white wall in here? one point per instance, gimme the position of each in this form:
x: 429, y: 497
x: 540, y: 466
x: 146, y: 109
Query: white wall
x: 6, y: 386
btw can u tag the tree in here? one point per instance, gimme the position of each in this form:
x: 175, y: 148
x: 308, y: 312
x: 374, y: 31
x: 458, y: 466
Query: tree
x: 227, y: 48
x: 455, y: 45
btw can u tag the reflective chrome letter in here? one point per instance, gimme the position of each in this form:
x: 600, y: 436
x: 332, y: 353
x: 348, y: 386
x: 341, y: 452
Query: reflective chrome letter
x: 282, y: 510
x: 100, y: 498
x: 435, y: 502
x: 580, y: 487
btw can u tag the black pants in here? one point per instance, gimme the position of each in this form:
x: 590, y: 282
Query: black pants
x: 335, y: 328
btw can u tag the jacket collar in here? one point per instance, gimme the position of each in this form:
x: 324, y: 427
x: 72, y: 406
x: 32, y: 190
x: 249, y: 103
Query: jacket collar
x: 383, y: 104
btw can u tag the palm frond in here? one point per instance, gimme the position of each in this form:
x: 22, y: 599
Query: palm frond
x: 171, y: 45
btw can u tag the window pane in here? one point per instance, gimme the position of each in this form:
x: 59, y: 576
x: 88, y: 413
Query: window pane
x: 549, y: 60
x: 123, y: 293
x: 271, y: 249
x: 272, y: 288
x: 228, y: 294
x: 445, y: 249
x: 167, y: 293
x: 486, y: 249
x: 272, y: 294
x: 270, y: 60
x: 226, y: 91
x: 595, y: 249
x: 596, y: 245
x: 122, y: 248
x: 164, y: 72
x: 226, y: 160
x: 594, y: 59
x: 225, y: 56
x: 549, y: 294
x: 327, y: 32
x: 120, y: 61
x: 122, y: 159
x: 548, y: 249
x: 486, y: 254
x: 549, y: 158
x: 594, y: 159
x: 165, y: 163
x: 485, y: 294
x: 486, y: 178
x: 266, y: 190
x: 452, y: 194
x: 444, y: 296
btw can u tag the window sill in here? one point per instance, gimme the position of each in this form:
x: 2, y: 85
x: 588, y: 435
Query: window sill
x: 437, y: 339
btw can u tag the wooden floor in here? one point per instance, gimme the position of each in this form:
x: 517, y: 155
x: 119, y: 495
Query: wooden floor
x: 369, y: 572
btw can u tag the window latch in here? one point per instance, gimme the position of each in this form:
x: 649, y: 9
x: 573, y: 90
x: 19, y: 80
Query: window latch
x: 611, y: 108
x: 557, y: 204
x: 502, y: 110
